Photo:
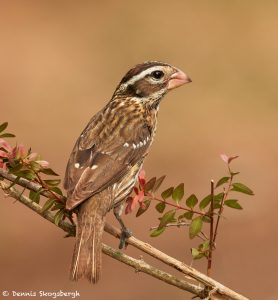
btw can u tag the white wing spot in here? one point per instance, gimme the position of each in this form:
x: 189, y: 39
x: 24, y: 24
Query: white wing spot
x: 94, y: 167
x: 126, y: 144
x: 106, y: 153
x: 144, y: 142
x: 134, y: 146
x: 141, y: 144
x: 77, y: 165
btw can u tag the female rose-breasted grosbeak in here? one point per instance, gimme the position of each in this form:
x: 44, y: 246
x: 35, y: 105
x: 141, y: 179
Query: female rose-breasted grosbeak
x: 108, y: 155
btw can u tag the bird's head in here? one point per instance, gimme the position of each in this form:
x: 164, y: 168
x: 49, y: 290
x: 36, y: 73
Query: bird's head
x: 150, y: 81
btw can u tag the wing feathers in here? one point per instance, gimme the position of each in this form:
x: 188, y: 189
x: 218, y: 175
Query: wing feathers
x: 102, y: 163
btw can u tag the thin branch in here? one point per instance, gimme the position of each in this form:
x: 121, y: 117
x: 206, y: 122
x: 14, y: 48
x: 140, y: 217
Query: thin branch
x: 211, y: 229
x: 172, y: 225
x: 219, y: 290
x: 140, y: 266
x: 226, y: 192
x: 202, y: 235
x: 152, y: 197
x: 36, y: 187
x: 137, y: 264
x: 178, y: 265
x: 14, y: 193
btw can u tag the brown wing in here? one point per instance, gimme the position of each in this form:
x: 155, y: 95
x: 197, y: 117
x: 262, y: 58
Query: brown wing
x: 97, y: 162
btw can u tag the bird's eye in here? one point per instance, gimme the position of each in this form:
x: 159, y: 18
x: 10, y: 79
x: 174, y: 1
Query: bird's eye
x: 157, y: 75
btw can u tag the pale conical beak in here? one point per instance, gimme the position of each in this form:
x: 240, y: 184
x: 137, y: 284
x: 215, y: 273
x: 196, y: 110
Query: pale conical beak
x: 177, y: 79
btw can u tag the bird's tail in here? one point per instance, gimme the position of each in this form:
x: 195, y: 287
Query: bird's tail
x: 86, y: 260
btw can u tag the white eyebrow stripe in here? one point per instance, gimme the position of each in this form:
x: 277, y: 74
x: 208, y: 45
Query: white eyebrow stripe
x: 142, y: 74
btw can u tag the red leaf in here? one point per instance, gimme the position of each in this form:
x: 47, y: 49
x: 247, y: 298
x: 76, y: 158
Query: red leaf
x: 20, y: 151
x: 5, y: 145
x: 3, y: 154
x: 232, y: 158
x: 142, y: 178
x: 132, y: 202
x: 3, y: 165
x: 227, y: 159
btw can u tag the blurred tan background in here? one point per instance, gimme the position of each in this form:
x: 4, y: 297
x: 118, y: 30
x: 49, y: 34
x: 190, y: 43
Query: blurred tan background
x: 59, y: 64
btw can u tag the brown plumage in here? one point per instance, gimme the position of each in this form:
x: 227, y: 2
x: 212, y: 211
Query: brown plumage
x: 108, y: 155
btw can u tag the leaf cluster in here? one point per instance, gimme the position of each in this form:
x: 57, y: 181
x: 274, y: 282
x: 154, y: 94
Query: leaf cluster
x: 28, y: 165
x: 179, y: 210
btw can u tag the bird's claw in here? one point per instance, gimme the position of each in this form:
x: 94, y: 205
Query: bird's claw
x: 125, y: 234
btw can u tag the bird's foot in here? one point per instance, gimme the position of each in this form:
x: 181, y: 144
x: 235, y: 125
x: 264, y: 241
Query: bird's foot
x: 125, y: 234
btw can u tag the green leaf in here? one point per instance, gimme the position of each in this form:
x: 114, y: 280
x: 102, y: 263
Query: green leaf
x: 168, y: 217
x: 191, y: 201
x: 204, y: 246
x: 216, y: 205
x: 49, y: 171
x: 187, y: 215
x: 27, y: 174
x: 35, y: 196
x: 48, y: 204
x: 195, y: 227
x: 141, y: 209
x: 233, y: 204
x: 150, y: 184
x: 158, y: 183
x: 167, y: 193
x: 58, y: 205
x: 239, y: 187
x: 57, y: 190
x: 218, y: 197
x: 7, y: 135
x: 205, y: 202
x: 217, y: 200
x: 206, y: 219
x: 178, y: 193
x: 35, y: 166
x: 3, y: 126
x: 16, y: 167
x: 58, y: 217
x: 52, y: 182
x: 196, y: 254
x: 156, y: 232
x: 160, y: 207
x: 222, y: 181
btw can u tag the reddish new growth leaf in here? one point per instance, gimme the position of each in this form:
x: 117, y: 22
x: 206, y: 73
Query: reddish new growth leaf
x: 227, y: 159
x: 139, y: 194
x: 142, y: 179
x: 9, y: 154
x: 5, y: 150
x: 132, y: 202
